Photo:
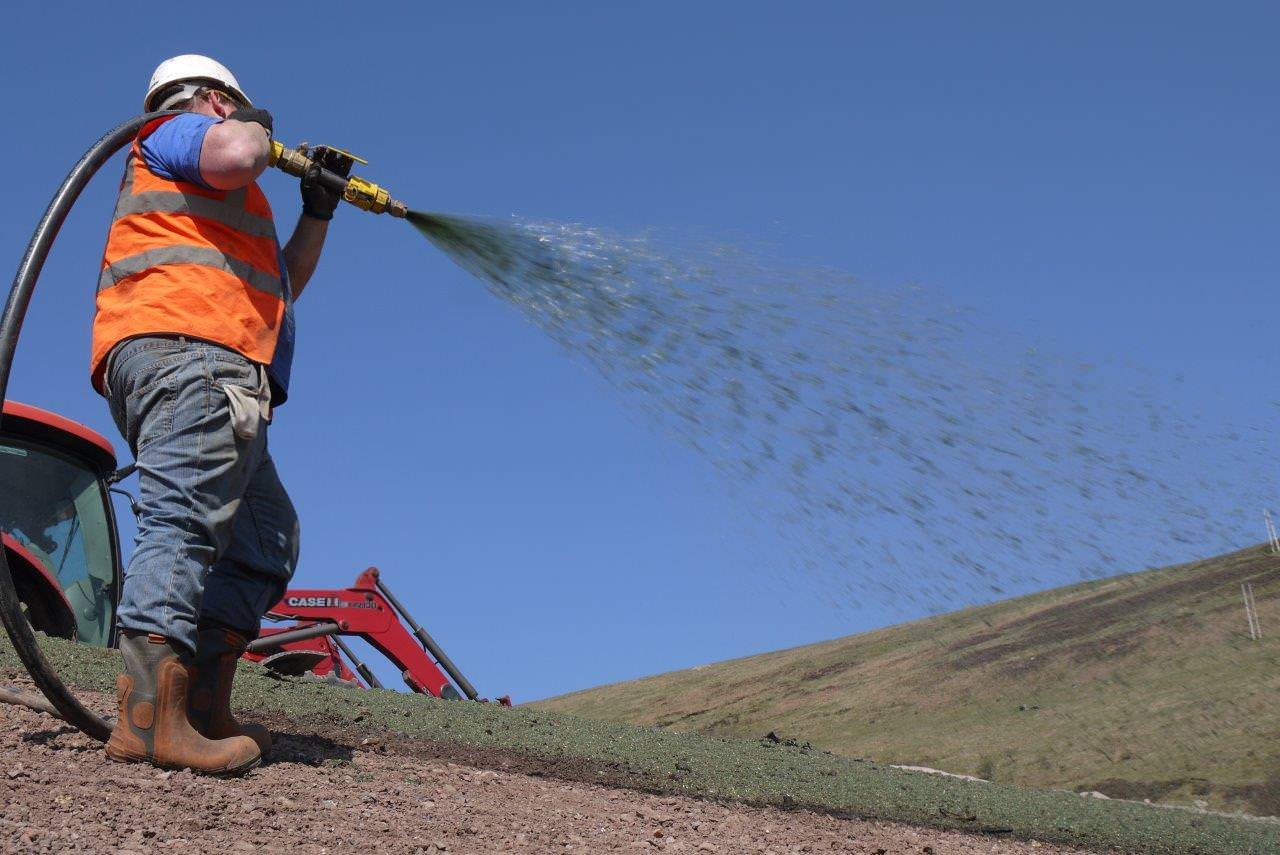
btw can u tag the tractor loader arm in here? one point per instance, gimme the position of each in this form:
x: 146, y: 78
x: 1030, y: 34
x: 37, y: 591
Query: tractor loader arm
x: 367, y: 610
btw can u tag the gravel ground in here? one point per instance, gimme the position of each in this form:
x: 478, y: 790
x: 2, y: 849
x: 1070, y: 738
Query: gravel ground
x: 60, y: 793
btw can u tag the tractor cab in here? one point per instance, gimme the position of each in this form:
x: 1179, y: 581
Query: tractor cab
x: 57, y: 523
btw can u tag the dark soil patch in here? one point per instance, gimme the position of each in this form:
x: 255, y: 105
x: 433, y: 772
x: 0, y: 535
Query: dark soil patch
x: 1101, y: 649
x: 828, y: 671
x: 1092, y: 651
x: 986, y: 655
x: 974, y: 640
x: 1263, y: 798
x: 1120, y: 788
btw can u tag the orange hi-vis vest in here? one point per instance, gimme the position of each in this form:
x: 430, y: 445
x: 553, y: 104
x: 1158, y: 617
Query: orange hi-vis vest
x: 185, y: 260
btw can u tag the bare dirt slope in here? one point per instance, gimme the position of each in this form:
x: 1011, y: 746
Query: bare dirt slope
x: 59, y: 793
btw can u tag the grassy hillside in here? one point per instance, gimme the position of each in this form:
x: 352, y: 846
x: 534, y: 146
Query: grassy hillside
x: 752, y: 771
x: 1141, y: 686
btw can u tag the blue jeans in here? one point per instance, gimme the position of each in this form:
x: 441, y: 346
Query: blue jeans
x: 217, y: 535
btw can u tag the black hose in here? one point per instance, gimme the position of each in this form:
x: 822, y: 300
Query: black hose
x: 15, y: 310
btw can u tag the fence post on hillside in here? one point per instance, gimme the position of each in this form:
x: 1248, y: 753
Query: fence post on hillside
x: 1272, y: 537
x: 1250, y: 610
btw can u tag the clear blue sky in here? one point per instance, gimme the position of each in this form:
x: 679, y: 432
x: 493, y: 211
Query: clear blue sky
x: 1100, y: 175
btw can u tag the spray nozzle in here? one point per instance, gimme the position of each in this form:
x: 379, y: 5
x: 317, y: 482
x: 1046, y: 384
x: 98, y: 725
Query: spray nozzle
x: 362, y: 193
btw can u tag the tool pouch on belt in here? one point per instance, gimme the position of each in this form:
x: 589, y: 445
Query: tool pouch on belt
x: 249, y: 408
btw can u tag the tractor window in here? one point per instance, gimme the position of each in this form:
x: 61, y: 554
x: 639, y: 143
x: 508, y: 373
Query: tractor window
x: 55, y: 508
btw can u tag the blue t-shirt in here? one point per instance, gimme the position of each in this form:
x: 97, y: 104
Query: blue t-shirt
x: 172, y: 151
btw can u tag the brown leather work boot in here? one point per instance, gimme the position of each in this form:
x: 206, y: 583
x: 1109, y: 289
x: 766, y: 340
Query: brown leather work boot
x: 153, y: 726
x: 218, y: 648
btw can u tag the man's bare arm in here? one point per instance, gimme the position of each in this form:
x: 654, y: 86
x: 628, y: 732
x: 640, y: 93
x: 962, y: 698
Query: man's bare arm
x: 234, y: 154
x: 302, y: 252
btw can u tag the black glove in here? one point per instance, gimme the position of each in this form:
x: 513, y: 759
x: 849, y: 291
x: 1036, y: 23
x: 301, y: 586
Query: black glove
x: 318, y: 201
x: 253, y: 114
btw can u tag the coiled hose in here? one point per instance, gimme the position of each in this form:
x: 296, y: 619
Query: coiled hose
x: 15, y: 311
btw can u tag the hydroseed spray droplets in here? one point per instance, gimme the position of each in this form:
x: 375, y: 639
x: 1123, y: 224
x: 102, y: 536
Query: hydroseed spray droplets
x: 919, y: 457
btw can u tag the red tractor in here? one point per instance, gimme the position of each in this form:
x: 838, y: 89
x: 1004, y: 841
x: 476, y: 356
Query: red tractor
x: 60, y: 539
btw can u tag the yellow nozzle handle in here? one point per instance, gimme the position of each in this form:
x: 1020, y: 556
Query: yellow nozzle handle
x: 360, y: 192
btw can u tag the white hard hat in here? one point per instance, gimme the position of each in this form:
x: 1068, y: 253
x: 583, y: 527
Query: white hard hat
x: 189, y: 68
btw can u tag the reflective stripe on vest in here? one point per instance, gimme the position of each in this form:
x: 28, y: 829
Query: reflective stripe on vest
x: 197, y: 206
x: 201, y: 255
x: 229, y: 211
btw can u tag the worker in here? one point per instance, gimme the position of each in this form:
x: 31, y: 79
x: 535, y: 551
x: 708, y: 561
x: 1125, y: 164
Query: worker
x: 193, y: 340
